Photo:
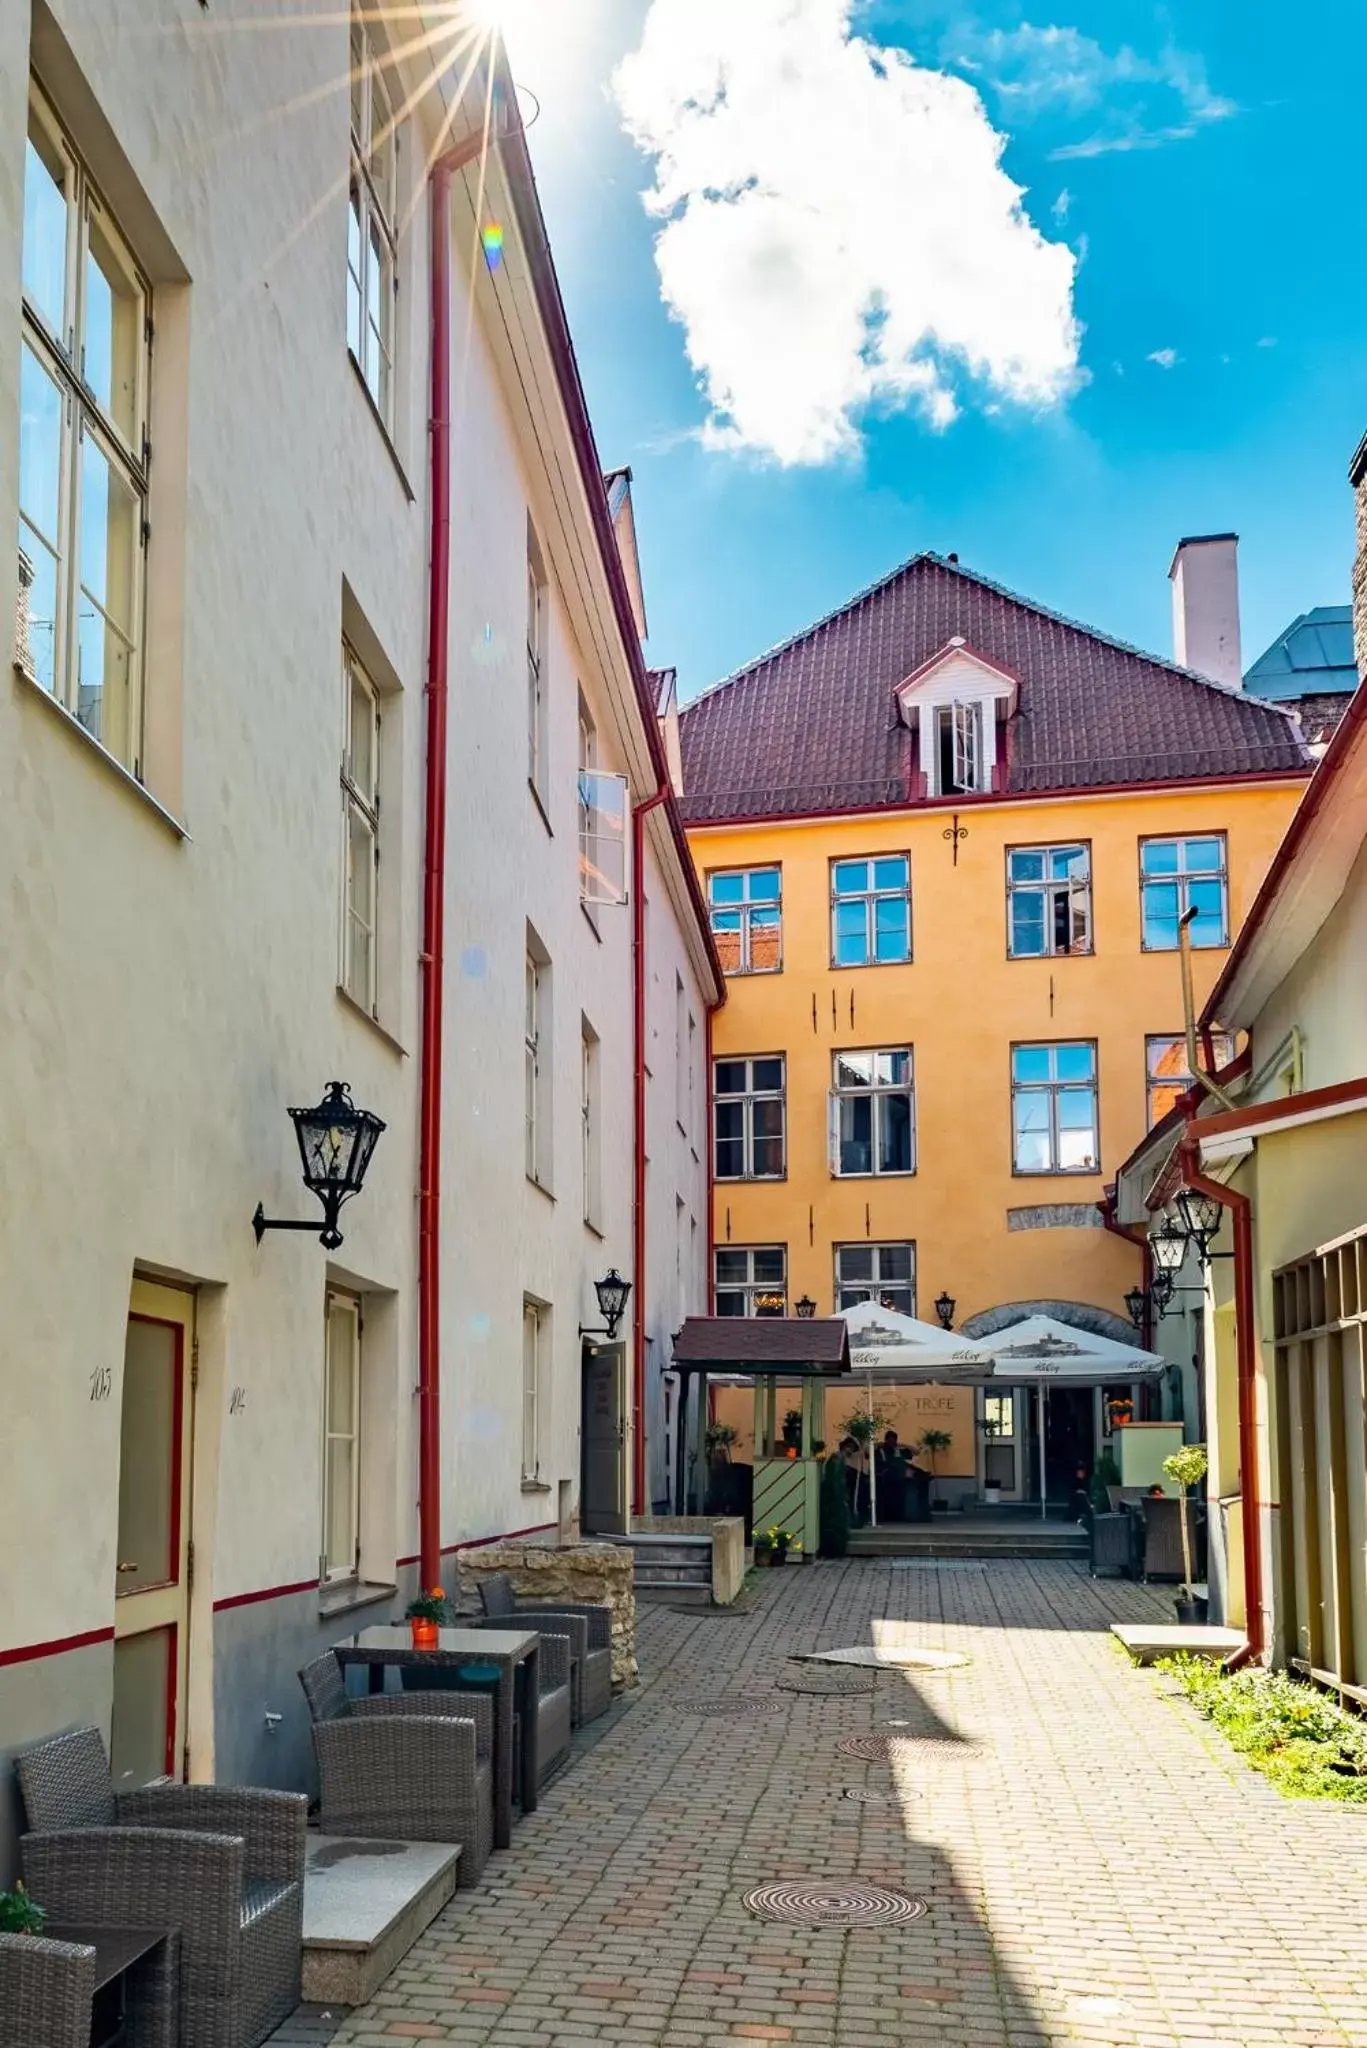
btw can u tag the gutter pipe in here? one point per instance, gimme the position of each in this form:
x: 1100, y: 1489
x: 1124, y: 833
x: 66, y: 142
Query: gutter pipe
x: 432, y: 957
x: 638, y: 1164
x: 1240, y: 1207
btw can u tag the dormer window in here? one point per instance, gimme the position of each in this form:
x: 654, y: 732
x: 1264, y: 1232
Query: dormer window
x: 955, y: 702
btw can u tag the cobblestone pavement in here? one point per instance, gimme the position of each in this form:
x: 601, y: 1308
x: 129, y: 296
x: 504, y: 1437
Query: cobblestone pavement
x: 1099, y: 1868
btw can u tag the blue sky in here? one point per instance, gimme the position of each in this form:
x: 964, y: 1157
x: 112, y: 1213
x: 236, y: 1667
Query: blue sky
x: 1195, y: 159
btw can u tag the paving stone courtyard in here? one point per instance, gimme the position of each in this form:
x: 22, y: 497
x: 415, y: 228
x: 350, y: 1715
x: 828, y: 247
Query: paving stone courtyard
x: 1098, y: 1868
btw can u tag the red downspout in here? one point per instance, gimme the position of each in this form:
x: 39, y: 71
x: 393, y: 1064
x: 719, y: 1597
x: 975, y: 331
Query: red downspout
x: 434, y: 864
x: 1246, y: 1361
x: 638, y: 1193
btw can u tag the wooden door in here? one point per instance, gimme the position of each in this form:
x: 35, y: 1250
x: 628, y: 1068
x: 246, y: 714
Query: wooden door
x: 603, y: 1477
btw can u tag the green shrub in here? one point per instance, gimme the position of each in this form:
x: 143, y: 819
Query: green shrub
x: 1105, y: 1472
x: 835, y: 1509
x: 1300, y: 1739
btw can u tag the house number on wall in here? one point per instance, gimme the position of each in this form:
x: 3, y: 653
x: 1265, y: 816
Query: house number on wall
x: 237, y: 1400
x: 101, y: 1383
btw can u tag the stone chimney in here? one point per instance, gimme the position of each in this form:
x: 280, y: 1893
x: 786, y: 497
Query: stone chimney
x: 1205, y: 607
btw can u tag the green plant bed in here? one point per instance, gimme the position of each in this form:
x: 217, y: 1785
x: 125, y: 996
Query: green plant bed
x: 1308, y: 1747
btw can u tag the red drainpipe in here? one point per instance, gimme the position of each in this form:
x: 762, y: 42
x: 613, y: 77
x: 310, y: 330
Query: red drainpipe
x: 434, y: 859
x: 1246, y: 1362
x: 638, y: 1193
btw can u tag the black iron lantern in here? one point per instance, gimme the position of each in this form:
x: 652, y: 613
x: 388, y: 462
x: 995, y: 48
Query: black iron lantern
x: 1168, y: 1244
x: 945, y: 1306
x: 1200, y: 1216
x: 1137, y: 1301
x: 805, y: 1307
x: 612, y: 1292
x: 336, y: 1141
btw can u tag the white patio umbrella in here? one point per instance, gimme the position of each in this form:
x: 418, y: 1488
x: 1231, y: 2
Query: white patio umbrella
x: 886, y: 1345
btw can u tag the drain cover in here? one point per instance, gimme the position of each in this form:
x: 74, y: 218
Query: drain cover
x: 736, y: 1704
x: 863, y: 1798
x: 827, y: 1681
x: 880, y: 1749
x: 889, y: 1657
x: 834, y: 1905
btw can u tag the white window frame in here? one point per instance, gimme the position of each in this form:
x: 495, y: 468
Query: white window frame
x: 1075, y: 890
x: 536, y: 664
x: 372, y: 218
x: 747, y: 1097
x: 870, y: 896
x: 590, y: 1123
x: 848, y: 1292
x: 745, y: 912
x: 1052, y: 1088
x: 967, y: 724
x: 360, y: 820
x: 876, y: 1093
x: 60, y: 359
x: 532, y: 1022
x: 535, y: 1332
x: 680, y: 1055
x: 750, y: 1288
x: 342, y: 1309
x: 692, y: 1057
x: 1179, y: 1082
x: 1181, y: 879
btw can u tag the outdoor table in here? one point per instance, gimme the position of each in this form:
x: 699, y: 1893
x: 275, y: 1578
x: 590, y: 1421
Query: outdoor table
x: 136, y: 1983
x: 517, y: 1657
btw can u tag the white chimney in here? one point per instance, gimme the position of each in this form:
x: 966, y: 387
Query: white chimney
x: 1205, y: 607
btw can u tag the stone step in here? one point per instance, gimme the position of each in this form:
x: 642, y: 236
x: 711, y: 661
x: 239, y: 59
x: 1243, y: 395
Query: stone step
x: 677, y: 1592
x: 365, y: 1904
x: 659, y: 1571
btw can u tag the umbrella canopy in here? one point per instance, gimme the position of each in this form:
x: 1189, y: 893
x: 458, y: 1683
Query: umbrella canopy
x: 1039, y: 1348
x: 890, y: 1346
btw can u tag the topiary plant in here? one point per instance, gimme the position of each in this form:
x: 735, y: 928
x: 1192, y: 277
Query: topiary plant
x: 1105, y: 1472
x: 835, y: 1509
x: 1186, y: 1468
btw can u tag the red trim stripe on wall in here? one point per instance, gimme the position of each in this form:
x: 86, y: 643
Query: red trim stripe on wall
x: 29, y: 1651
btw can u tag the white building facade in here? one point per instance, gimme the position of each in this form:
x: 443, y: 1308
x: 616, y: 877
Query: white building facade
x: 214, y: 406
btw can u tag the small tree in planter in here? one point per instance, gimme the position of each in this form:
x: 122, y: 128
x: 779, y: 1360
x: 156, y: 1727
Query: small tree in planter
x: 719, y: 1437
x: 864, y: 1424
x: 932, y: 1442
x: 792, y: 1427
x: 1186, y: 1468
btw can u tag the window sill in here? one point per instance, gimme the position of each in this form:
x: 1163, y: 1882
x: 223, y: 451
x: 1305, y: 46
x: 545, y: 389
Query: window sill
x: 751, y: 1180
x: 348, y: 1594
x: 536, y: 1486
x: 595, y: 1229
x: 540, y: 805
x: 862, y: 966
x: 1056, y: 1173
x: 540, y: 1187
x: 1086, y: 953
x: 590, y: 920
x: 359, y: 1010
x: 908, y: 1174
x: 385, y: 434
x: 750, y: 973
x: 114, y: 766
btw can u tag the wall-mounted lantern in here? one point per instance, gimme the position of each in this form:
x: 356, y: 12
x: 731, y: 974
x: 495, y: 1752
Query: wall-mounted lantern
x: 612, y: 1291
x: 945, y: 1306
x: 805, y: 1307
x: 336, y: 1141
x: 1137, y: 1301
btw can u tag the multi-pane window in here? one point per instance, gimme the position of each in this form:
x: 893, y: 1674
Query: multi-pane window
x: 871, y: 911
x: 1181, y: 875
x: 1048, y: 901
x: 84, y: 377
x: 536, y: 692
x: 885, y: 1273
x: 590, y: 1123
x: 959, y: 753
x: 372, y: 240
x: 752, y: 1280
x: 873, y: 1120
x: 748, y: 1110
x: 1167, y: 1073
x: 535, y: 1334
x: 532, y: 1066
x: 747, y: 919
x: 341, y: 1439
x: 588, y: 762
x: 1054, y: 1108
x: 360, y: 831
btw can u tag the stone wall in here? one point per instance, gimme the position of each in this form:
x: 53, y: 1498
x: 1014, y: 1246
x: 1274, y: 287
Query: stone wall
x: 729, y: 1550
x: 595, y: 1572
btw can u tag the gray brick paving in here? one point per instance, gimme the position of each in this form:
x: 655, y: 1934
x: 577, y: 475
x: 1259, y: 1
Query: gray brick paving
x: 1100, y: 1870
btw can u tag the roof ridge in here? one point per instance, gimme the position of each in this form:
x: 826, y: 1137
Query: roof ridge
x: 1029, y: 604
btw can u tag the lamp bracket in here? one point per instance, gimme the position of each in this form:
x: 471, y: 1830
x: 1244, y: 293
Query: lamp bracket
x: 329, y: 1235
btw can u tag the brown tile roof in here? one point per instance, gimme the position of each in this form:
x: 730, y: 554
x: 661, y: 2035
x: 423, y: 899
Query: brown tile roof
x: 765, y: 1343
x: 812, y: 726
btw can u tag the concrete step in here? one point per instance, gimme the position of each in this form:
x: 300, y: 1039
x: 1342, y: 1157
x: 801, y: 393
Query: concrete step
x: 365, y: 1904
x: 662, y: 1571
x: 677, y: 1592
x: 952, y: 1536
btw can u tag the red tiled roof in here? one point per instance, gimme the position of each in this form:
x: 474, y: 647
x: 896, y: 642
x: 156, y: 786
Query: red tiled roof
x: 812, y: 726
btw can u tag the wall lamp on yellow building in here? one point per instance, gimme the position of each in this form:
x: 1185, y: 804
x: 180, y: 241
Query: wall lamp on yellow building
x: 805, y: 1307
x: 1137, y: 1302
x: 336, y: 1141
x: 945, y: 1306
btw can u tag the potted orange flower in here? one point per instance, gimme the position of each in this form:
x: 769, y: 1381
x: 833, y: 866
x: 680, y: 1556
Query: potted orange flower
x: 426, y: 1613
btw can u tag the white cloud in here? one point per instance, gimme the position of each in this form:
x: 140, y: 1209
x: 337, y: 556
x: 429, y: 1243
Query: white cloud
x: 1166, y: 358
x: 1147, y: 101
x: 1062, y: 206
x: 1268, y: 341
x: 838, y: 233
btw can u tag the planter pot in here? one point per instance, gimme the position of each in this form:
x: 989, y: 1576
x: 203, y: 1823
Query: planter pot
x: 424, y: 1633
x: 1189, y: 1612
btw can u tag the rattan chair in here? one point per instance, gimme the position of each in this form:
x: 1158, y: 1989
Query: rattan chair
x: 1113, y: 1543
x: 594, y: 1679
x: 1161, y: 1554
x: 555, y: 1696
x: 45, y: 1992
x: 415, y: 1766
x: 221, y: 1865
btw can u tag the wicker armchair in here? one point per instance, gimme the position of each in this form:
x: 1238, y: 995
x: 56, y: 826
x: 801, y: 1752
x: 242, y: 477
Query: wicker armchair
x: 221, y: 1865
x: 413, y: 1765
x: 1161, y: 1555
x: 1113, y: 1542
x: 45, y: 1992
x: 594, y: 1678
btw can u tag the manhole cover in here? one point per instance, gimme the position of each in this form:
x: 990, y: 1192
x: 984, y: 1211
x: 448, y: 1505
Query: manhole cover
x: 889, y: 1657
x: 842, y: 1682
x: 879, y: 1749
x: 737, y: 1704
x: 834, y: 1905
x: 863, y: 1798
